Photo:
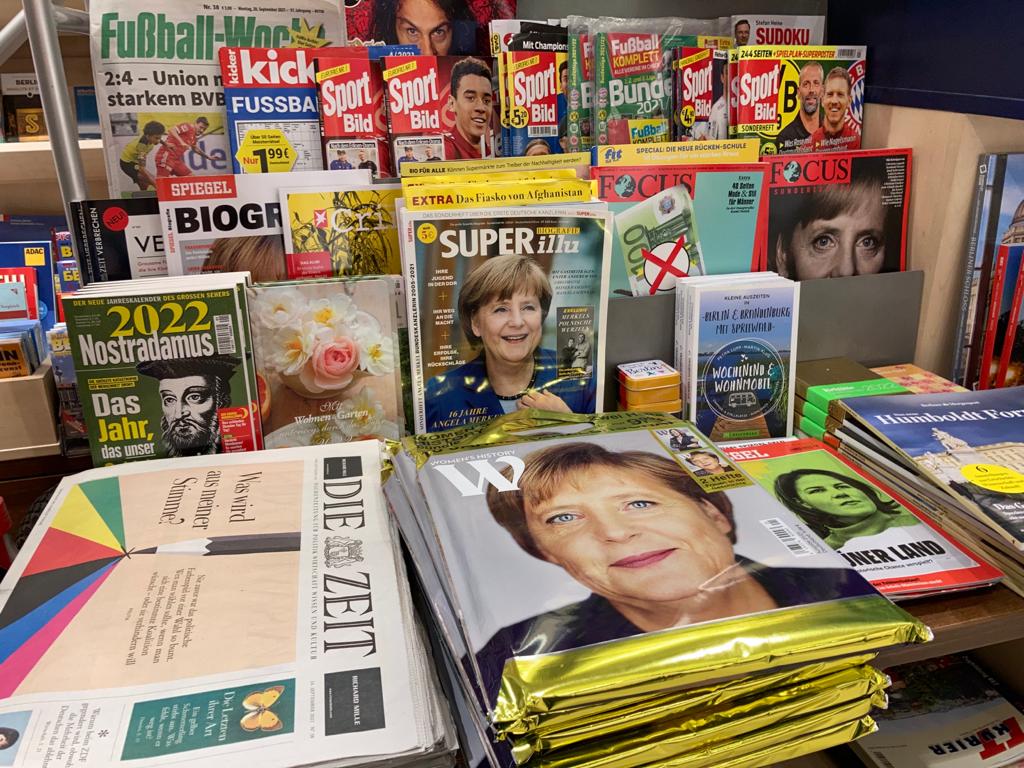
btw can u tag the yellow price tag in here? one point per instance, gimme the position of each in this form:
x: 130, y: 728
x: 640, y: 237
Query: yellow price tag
x: 993, y: 477
x: 519, y: 117
x: 266, y: 150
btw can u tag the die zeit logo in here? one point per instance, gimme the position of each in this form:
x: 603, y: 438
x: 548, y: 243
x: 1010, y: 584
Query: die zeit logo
x: 811, y: 171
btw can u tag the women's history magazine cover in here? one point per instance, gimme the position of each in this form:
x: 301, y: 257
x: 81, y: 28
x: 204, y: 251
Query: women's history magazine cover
x: 507, y: 309
x: 564, y: 542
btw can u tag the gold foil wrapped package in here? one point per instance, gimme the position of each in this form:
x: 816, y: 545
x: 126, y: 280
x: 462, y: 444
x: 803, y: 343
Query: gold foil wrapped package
x: 682, y: 729
x: 633, y: 711
x: 613, y: 584
x: 692, y: 655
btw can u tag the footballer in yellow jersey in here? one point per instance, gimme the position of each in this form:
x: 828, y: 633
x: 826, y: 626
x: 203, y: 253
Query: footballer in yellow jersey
x: 133, y: 156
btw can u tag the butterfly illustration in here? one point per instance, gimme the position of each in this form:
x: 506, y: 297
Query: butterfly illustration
x: 259, y: 717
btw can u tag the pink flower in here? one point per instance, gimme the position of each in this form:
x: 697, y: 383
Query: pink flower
x: 333, y: 362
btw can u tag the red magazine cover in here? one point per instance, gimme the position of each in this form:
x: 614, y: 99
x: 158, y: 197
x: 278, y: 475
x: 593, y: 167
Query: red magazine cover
x: 1009, y: 335
x: 26, y: 275
x: 353, y: 122
x: 1009, y: 260
x: 440, y: 107
x: 838, y: 214
x: 437, y: 27
x: 890, y: 543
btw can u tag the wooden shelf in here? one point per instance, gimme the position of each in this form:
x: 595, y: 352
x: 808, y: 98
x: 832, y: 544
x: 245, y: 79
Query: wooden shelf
x: 28, y: 178
x: 961, y: 623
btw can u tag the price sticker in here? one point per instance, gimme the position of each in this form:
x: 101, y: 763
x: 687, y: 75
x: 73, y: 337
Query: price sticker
x: 993, y: 477
x: 266, y: 150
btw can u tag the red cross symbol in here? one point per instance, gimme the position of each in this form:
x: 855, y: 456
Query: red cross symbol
x: 668, y: 266
x: 320, y: 219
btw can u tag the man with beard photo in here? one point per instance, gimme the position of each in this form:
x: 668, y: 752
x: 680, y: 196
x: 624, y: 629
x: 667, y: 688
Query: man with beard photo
x: 192, y: 391
x: 796, y: 135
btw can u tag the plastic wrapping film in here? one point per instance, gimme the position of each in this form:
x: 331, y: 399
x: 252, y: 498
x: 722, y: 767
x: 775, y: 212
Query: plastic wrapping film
x: 493, y: 506
x: 696, y: 654
x: 526, y: 425
x: 720, y: 753
x: 788, y: 748
x: 596, y: 717
x: 682, y: 729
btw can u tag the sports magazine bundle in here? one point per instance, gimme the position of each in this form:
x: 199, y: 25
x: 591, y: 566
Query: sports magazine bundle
x: 158, y: 80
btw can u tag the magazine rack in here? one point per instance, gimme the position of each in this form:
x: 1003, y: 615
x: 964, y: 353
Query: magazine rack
x: 869, y: 318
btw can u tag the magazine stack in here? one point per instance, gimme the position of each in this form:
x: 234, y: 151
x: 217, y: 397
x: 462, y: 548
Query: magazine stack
x: 551, y: 547
x: 891, y: 544
x: 219, y: 610
x: 956, y: 455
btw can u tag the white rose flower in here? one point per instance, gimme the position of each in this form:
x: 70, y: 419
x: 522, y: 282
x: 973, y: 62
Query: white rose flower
x: 290, y: 348
x: 364, y: 320
x: 279, y: 307
x: 360, y: 415
x: 376, y: 352
x: 335, y: 312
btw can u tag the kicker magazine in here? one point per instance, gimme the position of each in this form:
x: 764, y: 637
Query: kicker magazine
x: 270, y: 93
x: 838, y: 214
x: 158, y: 81
x: 890, y: 544
x: 798, y: 98
x: 232, y: 223
x: 491, y: 292
x: 191, y: 612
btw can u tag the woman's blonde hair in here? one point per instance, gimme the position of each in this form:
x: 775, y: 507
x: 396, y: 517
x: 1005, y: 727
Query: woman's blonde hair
x: 260, y: 255
x: 498, y: 279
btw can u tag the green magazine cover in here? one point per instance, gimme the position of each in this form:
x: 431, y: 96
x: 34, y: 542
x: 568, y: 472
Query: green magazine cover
x: 165, y: 373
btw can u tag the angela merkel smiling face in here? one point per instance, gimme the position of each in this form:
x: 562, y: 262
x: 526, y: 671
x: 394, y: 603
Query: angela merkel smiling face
x: 633, y: 528
x: 630, y: 538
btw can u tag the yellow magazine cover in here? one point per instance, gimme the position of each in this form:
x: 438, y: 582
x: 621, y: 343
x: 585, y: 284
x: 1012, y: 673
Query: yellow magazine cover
x: 14, y: 359
x: 341, y: 231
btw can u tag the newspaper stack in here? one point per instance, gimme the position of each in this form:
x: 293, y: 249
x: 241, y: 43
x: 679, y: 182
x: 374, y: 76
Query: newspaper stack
x: 608, y: 598
x: 218, y: 610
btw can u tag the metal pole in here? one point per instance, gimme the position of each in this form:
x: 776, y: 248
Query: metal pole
x: 12, y: 36
x: 53, y: 89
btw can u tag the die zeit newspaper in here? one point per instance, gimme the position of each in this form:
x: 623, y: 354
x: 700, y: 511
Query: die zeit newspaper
x: 159, y: 88
x: 222, y: 635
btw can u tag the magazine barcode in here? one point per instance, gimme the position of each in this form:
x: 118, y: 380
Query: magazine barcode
x: 542, y: 130
x: 847, y: 53
x: 785, y: 534
x: 882, y: 760
x: 225, y: 335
